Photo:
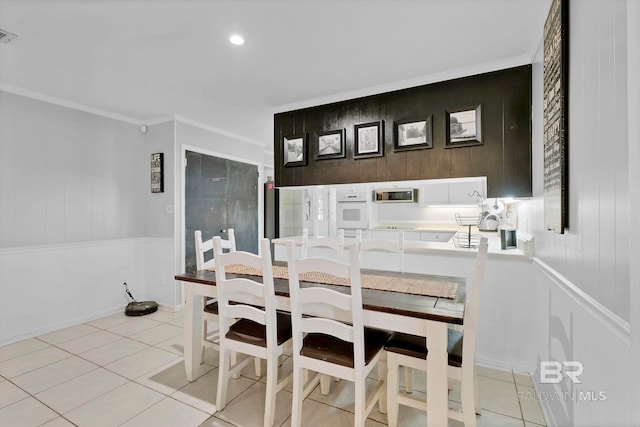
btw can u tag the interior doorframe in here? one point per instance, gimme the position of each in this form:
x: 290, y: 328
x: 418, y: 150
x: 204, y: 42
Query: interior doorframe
x: 183, y: 153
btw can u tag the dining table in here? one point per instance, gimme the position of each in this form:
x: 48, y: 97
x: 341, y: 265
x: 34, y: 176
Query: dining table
x: 422, y: 315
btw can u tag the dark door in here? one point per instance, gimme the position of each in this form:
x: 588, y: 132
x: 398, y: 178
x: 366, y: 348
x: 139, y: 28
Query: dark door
x: 220, y: 194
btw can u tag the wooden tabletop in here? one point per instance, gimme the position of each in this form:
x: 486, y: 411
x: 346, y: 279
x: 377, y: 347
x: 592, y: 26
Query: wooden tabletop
x: 425, y: 307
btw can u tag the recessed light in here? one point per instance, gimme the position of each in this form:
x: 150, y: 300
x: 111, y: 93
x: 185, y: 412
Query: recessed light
x: 236, y: 39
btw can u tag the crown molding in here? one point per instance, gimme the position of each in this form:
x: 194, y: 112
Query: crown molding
x: 404, y: 84
x: 68, y: 104
x: 115, y: 116
x: 159, y: 120
x: 204, y: 126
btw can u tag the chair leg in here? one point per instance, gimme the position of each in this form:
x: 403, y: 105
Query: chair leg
x: 299, y: 376
x: 468, y: 401
x: 325, y: 384
x: 223, y: 380
x: 234, y: 360
x: 272, y: 384
x: 392, y: 389
x: 204, y: 337
x: 360, y: 402
x: 408, y: 379
x: 382, y: 376
x: 476, y: 395
x: 257, y: 365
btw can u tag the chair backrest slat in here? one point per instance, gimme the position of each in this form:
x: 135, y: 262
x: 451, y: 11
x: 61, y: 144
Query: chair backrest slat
x: 381, y: 245
x: 328, y: 327
x: 238, y: 311
x: 240, y: 297
x: 315, y: 294
x: 336, y: 243
x: 309, y: 265
x: 203, y: 247
x: 353, y: 326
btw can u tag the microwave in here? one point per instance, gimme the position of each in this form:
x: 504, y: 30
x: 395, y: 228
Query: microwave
x: 396, y: 195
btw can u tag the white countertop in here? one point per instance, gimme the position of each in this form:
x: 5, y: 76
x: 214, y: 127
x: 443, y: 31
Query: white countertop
x: 445, y: 248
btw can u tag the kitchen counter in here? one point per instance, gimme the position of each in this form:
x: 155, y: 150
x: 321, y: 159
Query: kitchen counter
x: 445, y: 248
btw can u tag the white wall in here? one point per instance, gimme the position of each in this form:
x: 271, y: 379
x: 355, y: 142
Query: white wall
x: 67, y: 176
x: 77, y: 217
x: 72, y: 215
x: 594, y: 251
x: 584, y: 273
x: 159, y: 244
x: 633, y: 71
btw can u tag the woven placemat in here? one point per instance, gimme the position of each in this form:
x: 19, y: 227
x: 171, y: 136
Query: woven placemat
x: 432, y: 287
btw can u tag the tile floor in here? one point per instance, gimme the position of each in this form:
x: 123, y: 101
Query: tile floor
x: 128, y: 371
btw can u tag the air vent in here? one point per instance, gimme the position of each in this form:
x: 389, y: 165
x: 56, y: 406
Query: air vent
x: 6, y: 36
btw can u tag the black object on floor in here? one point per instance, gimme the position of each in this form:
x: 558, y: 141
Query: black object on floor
x: 138, y: 308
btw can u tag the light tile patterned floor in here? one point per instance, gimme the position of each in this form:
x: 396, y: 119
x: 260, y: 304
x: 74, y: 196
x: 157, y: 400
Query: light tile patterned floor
x: 129, y: 371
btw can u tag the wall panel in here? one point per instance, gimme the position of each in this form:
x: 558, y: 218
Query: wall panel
x: 504, y: 157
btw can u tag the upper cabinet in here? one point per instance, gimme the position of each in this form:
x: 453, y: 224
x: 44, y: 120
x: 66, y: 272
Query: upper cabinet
x: 472, y: 126
x: 467, y: 192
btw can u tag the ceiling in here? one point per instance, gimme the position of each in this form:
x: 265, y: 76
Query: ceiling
x: 146, y: 59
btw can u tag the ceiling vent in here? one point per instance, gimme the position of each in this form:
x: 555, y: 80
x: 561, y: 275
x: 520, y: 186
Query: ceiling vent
x: 6, y: 36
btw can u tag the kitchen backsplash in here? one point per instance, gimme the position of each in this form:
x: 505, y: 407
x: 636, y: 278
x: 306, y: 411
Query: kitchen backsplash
x: 413, y: 213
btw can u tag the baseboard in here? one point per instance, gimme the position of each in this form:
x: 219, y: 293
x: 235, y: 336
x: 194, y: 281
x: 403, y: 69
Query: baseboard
x: 501, y: 365
x: 169, y: 307
x: 68, y: 323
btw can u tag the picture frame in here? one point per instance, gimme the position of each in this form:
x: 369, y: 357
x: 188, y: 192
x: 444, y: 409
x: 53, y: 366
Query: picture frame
x: 464, y: 127
x: 555, y: 89
x: 331, y: 145
x: 157, y: 173
x: 294, y: 150
x: 413, y: 134
x: 368, y: 140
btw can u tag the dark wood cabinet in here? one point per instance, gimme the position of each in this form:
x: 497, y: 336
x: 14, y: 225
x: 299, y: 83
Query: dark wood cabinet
x: 504, y: 156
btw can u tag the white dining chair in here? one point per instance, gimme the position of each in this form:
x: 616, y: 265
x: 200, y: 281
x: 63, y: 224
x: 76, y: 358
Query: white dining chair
x: 340, y: 348
x: 211, y: 307
x: 382, y: 245
x: 335, y: 243
x: 410, y: 352
x: 259, y: 331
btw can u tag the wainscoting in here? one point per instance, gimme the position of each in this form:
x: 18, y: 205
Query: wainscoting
x: 578, y: 328
x: 50, y: 287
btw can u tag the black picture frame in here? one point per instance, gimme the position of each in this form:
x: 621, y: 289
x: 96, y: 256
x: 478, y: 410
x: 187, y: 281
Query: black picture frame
x: 413, y: 134
x: 555, y: 113
x: 368, y: 140
x: 157, y: 173
x: 294, y: 150
x: 463, y: 126
x: 330, y: 145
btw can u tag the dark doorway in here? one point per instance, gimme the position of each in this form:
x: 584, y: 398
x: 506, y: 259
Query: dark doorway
x: 220, y: 194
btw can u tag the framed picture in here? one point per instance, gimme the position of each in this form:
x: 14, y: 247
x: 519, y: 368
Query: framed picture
x: 555, y: 113
x: 294, y: 148
x: 330, y: 145
x: 464, y: 127
x: 157, y: 173
x: 369, y: 140
x: 412, y: 134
